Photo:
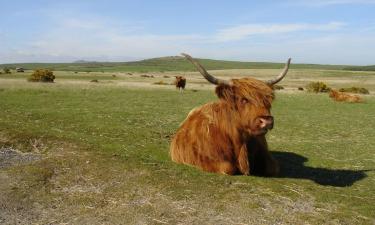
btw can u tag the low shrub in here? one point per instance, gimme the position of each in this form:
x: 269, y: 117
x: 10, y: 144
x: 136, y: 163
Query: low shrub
x: 6, y: 70
x: 149, y: 76
x: 277, y: 87
x: 161, y: 83
x: 42, y: 75
x: 300, y: 88
x: 359, y: 90
x: 317, y: 87
x: 94, y: 81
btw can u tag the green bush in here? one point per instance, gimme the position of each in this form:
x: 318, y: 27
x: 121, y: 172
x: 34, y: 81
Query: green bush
x: 161, y: 83
x: 277, y: 87
x: 42, y: 75
x: 6, y: 70
x: 317, y: 87
x: 359, y: 90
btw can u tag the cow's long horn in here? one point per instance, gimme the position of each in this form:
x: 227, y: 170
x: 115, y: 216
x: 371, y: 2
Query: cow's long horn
x: 203, y: 71
x: 281, y: 75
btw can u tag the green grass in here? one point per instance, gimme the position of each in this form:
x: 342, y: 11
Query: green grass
x: 162, y: 64
x: 107, y: 160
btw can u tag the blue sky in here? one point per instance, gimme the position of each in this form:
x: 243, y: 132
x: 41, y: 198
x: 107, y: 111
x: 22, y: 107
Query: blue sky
x: 320, y: 31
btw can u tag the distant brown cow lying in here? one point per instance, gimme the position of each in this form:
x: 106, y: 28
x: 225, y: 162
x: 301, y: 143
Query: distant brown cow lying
x: 228, y: 136
x: 343, y: 97
x: 180, y: 82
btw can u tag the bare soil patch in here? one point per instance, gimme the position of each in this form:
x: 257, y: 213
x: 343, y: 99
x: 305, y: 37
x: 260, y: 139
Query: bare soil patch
x: 12, y: 157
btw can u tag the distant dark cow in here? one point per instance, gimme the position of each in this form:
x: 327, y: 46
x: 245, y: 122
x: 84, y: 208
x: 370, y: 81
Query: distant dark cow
x: 343, y: 97
x: 180, y: 82
x: 228, y: 136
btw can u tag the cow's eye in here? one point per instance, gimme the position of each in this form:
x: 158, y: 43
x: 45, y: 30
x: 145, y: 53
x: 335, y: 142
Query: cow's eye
x: 244, y: 101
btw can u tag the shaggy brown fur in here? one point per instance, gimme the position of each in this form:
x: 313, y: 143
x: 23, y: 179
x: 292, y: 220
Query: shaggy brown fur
x: 180, y: 82
x: 227, y: 136
x: 343, y: 97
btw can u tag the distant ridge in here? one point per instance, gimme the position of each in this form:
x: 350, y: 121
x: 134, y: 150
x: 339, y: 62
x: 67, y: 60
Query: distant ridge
x: 83, y: 61
x: 172, y: 63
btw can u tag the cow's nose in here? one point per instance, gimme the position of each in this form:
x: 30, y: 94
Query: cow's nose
x: 266, y: 122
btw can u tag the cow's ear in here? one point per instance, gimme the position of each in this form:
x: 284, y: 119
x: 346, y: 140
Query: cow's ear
x: 225, y: 92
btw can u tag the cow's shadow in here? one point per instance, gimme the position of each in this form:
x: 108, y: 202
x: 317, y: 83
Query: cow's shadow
x: 292, y: 166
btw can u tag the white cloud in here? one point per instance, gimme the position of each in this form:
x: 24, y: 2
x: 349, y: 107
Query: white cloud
x: 332, y: 2
x: 76, y: 38
x: 97, y: 39
x: 242, y: 31
x: 110, y: 44
x: 81, y: 24
x: 347, y: 49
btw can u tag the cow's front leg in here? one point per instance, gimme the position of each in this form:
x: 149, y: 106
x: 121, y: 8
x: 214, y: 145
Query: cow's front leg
x: 265, y: 164
x: 272, y: 165
x: 243, y: 160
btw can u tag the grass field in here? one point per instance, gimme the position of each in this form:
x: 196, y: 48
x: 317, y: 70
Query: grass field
x: 104, y: 149
x: 296, y: 77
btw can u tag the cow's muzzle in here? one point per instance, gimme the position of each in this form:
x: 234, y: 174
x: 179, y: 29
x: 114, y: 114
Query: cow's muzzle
x: 262, y: 125
x: 265, y: 122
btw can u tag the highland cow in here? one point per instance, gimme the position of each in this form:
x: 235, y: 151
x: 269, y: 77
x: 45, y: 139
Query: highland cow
x: 343, y: 97
x: 228, y: 136
x: 180, y: 82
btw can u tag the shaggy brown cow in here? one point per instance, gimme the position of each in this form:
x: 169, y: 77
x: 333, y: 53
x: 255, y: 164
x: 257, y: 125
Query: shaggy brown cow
x: 228, y: 136
x: 180, y: 82
x: 343, y: 97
